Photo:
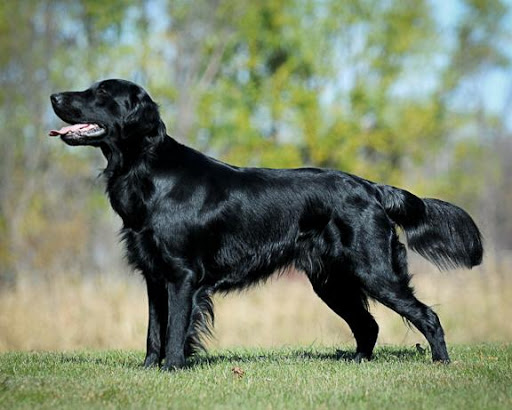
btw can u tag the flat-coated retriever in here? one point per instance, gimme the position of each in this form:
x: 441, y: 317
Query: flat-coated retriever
x: 194, y: 225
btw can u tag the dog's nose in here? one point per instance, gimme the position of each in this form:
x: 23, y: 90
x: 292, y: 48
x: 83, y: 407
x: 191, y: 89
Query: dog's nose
x: 56, y: 98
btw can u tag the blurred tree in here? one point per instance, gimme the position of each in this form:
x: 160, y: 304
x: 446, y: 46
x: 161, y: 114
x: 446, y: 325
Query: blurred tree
x: 44, y: 45
x: 264, y: 101
x: 323, y: 83
x: 481, y: 141
x: 382, y: 89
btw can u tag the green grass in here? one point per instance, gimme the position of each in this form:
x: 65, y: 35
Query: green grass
x: 479, y: 377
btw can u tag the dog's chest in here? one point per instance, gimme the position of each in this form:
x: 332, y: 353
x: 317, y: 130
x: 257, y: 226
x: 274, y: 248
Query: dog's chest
x: 142, y: 250
x: 129, y: 198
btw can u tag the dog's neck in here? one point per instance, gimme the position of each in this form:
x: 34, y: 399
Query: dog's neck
x: 123, y: 155
x: 129, y: 175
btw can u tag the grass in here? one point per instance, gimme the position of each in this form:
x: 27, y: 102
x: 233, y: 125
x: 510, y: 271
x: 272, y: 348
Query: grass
x: 72, y: 314
x: 110, y: 312
x: 480, y: 377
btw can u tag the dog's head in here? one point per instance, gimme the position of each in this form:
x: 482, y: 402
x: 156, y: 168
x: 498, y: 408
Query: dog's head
x: 109, y: 111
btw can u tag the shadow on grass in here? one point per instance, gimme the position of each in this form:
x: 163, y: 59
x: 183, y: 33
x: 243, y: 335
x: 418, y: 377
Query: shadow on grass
x: 380, y: 355
x: 134, y: 360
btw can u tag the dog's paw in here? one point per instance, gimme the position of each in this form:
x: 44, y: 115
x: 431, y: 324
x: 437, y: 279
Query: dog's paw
x: 360, y: 356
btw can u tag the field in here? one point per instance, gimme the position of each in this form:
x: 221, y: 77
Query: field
x: 75, y: 343
x: 110, y: 312
x: 293, y: 378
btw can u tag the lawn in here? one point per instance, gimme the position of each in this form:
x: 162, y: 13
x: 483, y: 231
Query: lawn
x: 479, y: 377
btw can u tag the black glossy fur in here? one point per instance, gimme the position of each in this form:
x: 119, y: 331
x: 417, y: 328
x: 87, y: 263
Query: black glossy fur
x: 194, y: 225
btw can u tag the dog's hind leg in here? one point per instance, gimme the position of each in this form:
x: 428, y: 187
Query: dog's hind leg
x: 348, y: 301
x: 389, y: 284
x: 401, y: 299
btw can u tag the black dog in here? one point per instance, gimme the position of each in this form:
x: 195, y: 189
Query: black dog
x: 194, y: 225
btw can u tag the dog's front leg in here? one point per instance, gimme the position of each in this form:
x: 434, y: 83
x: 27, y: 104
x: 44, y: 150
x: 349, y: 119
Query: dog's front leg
x: 180, y: 295
x: 157, y: 324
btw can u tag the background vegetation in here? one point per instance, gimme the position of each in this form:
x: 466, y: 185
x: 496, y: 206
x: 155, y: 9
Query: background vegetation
x: 417, y: 94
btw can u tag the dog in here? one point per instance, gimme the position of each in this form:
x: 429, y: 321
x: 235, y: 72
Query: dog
x: 193, y: 225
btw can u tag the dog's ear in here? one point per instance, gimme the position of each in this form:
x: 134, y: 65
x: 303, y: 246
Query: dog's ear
x: 143, y: 119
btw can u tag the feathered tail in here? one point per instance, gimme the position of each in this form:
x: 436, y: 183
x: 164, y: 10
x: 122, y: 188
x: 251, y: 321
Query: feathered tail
x: 439, y: 231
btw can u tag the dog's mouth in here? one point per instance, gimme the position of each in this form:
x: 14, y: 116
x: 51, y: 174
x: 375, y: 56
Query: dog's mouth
x: 79, y: 130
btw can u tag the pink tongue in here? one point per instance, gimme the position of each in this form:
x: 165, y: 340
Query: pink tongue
x: 70, y: 128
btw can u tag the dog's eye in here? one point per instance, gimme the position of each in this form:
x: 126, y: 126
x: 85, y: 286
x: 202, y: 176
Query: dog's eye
x: 102, y: 92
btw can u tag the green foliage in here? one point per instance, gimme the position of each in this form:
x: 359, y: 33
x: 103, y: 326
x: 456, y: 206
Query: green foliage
x: 279, y: 84
x: 375, y: 88
x: 312, y: 378
x: 267, y: 88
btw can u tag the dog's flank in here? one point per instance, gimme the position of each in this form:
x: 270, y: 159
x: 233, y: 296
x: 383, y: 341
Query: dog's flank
x: 194, y: 225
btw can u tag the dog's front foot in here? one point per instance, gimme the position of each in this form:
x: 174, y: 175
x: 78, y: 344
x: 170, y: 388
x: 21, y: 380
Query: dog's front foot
x: 151, y: 360
x: 360, y: 356
x: 173, y: 364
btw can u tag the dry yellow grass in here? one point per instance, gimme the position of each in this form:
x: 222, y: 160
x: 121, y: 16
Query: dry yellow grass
x: 72, y: 313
